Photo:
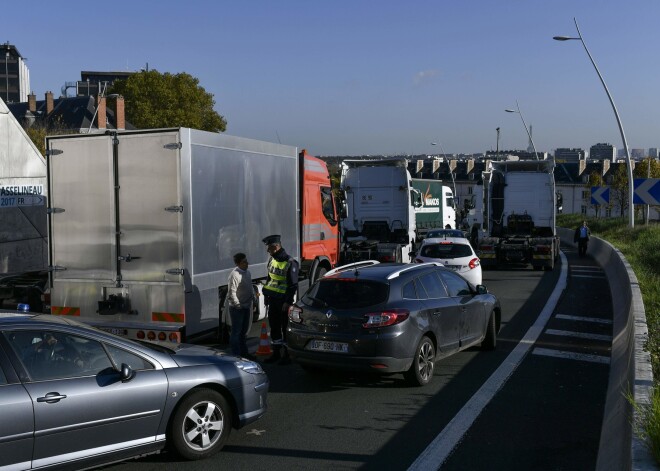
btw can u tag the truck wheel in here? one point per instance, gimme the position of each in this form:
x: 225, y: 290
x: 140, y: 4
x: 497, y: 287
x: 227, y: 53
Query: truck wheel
x: 201, y: 425
x: 421, y: 370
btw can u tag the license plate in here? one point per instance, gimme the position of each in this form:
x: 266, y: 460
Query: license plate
x: 114, y: 331
x: 324, y: 346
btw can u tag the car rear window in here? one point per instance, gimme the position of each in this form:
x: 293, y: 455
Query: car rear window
x: 446, y: 250
x: 346, y: 293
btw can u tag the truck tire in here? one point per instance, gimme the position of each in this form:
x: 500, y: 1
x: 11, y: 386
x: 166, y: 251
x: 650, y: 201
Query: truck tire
x: 318, y: 273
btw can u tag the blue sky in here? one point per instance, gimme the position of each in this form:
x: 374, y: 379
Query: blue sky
x: 374, y: 77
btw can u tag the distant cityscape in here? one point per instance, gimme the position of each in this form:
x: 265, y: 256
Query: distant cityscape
x: 15, y: 89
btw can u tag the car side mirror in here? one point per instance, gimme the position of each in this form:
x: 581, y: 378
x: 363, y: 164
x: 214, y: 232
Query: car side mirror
x: 127, y: 373
x: 481, y: 289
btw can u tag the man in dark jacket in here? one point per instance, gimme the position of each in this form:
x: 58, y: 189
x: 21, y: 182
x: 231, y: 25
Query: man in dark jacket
x: 582, y: 234
x: 279, y: 293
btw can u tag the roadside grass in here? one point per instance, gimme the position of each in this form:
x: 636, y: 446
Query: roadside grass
x: 641, y: 247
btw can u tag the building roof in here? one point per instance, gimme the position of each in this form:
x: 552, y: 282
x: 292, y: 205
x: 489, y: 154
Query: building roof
x: 70, y: 113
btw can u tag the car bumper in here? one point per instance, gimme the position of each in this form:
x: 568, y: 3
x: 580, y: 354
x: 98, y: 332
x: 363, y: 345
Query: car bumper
x: 255, y: 402
x: 375, y: 364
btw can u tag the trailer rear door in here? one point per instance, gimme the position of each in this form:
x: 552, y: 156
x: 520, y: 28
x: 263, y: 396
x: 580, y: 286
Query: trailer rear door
x: 131, y: 234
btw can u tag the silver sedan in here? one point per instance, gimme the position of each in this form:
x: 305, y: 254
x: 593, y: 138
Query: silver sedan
x: 74, y: 395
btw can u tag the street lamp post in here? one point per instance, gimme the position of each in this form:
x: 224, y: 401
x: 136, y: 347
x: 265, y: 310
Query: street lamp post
x: 631, y: 185
x: 517, y: 110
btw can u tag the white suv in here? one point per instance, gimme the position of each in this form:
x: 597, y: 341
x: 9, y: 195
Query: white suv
x: 455, y: 253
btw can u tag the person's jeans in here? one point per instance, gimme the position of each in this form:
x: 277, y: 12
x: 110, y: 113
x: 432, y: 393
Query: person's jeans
x: 240, y: 324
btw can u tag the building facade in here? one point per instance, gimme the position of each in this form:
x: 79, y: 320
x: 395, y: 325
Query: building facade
x: 14, y: 75
x: 603, y: 151
x: 563, y: 154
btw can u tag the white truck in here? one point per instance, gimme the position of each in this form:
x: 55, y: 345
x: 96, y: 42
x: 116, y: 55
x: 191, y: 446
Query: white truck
x: 143, y: 225
x: 519, y: 207
x: 378, y: 212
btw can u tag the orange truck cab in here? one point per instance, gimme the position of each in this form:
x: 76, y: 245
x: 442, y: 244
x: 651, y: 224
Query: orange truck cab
x: 319, y: 220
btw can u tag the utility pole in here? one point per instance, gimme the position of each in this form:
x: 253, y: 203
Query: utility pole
x: 497, y: 148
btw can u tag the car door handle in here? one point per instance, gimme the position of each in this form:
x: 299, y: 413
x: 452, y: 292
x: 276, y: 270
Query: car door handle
x: 51, y: 397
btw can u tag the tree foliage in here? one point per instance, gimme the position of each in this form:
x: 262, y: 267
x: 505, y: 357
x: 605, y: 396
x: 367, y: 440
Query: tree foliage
x: 620, y: 188
x: 642, y: 169
x: 595, y: 179
x: 163, y: 100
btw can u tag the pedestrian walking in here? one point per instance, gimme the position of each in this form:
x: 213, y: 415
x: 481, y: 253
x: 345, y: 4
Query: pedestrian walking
x: 279, y: 292
x: 240, y: 298
x: 582, y: 234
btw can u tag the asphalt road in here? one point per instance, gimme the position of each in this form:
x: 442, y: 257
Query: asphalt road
x: 547, y: 415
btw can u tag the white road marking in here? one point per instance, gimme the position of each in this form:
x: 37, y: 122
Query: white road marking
x: 583, y: 319
x: 571, y: 355
x: 579, y: 335
x: 440, y: 448
x: 588, y: 276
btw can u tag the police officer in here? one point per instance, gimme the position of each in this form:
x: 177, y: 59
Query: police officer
x: 278, y: 295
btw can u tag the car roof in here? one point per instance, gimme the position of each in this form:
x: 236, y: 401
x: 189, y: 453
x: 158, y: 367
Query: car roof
x: 33, y: 320
x: 381, y: 271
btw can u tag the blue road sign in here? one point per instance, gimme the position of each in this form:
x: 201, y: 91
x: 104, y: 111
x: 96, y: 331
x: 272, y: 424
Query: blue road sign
x: 600, y: 195
x: 647, y: 191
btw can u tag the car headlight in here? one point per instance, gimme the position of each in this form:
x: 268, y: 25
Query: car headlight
x: 248, y: 366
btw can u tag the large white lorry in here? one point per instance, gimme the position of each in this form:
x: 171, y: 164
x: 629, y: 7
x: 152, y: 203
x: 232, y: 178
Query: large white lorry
x: 519, y: 205
x: 143, y: 225
x: 378, y: 213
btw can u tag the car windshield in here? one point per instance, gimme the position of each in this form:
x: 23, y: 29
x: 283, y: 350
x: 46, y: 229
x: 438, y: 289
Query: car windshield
x: 445, y: 250
x: 346, y: 293
x: 445, y: 233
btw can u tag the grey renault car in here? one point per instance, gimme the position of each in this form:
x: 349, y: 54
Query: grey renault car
x: 390, y: 318
x: 72, y: 396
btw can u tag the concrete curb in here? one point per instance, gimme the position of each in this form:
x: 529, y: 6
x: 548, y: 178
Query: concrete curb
x: 630, y: 364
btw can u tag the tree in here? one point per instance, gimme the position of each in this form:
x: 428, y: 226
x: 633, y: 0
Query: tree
x: 155, y: 100
x: 619, y: 188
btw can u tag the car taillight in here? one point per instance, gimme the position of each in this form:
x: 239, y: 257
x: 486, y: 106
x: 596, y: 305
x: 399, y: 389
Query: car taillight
x: 162, y: 336
x: 295, y: 314
x: 385, y: 318
x: 140, y: 335
x: 151, y: 335
x: 474, y: 263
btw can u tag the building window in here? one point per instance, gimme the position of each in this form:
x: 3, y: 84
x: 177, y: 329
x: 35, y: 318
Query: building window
x: 470, y: 190
x: 583, y: 210
x: 608, y: 212
x: 586, y: 194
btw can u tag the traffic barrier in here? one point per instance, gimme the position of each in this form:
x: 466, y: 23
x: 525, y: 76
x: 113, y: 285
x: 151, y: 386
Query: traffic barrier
x: 630, y: 364
x: 264, y: 342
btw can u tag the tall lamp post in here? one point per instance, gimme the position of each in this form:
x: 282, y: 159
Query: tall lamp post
x: 631, y: 184
x: 517, y: 110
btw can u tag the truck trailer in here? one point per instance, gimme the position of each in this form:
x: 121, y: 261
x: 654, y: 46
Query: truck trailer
x: 143, y: 224
x: 378, y: 211
x: 437, y: 210
x: 519, y: 215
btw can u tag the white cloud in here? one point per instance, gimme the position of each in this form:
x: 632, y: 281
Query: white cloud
x: 424, y: 76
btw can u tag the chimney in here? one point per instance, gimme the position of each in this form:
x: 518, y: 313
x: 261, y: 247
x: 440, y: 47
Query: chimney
x: 119, y: 113
x: 100, y: 112
x: 470, y: 165
x: 49, y: 103
x: 606, y: 166
x: 32, y: 102
x: 582, y: 167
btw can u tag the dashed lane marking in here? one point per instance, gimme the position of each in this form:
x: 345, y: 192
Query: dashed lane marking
x: 583, y: 319
x: 445, y: 442
x: 579, y: 335
x: 588, y: 276
x: 571, y: 355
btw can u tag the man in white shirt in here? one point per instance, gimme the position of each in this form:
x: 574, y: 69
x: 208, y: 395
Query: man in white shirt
x: 240, y: 298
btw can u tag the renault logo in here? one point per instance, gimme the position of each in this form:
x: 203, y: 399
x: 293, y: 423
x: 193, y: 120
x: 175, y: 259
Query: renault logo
x: 328, y: 314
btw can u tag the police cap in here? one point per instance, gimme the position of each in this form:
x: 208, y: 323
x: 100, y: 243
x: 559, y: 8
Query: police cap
x: 272, y: 239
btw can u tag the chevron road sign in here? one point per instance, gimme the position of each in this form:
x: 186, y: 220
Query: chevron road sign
x: 600, y: 195
x: 647, y: 191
